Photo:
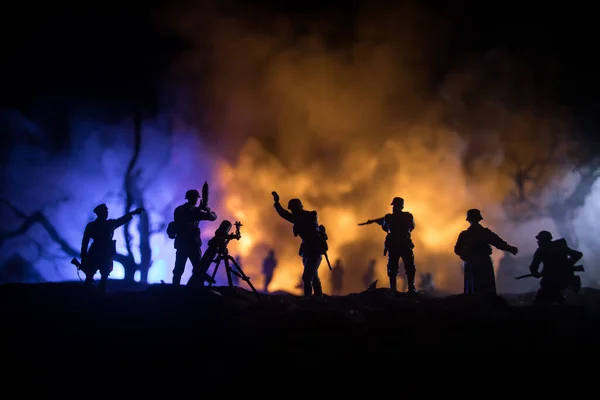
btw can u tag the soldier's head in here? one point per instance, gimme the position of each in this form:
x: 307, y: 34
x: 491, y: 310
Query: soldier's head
x: 295, y: 205
x: 543, y: 238
x: 397, y: 204
x: 271, y: 253
x: 474, y: 216
x: 101, y: 211
x: 192, y: 196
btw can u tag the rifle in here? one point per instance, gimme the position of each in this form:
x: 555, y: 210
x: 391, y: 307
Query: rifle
x: 324, y: 237
x: 576, y: 268
x: 76, y: 263
x: 371, y: 221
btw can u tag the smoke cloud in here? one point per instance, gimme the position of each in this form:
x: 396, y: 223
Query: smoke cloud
x: 347, y: 124
x: 345, y: 117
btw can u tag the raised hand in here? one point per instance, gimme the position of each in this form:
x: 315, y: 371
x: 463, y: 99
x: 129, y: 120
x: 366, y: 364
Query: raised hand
x: 275, y: 197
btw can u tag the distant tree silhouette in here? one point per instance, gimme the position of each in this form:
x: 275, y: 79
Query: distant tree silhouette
x: 134, y: 191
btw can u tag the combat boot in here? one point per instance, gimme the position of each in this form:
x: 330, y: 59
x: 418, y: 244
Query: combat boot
x: 411, y: 284
x: 317, y: 288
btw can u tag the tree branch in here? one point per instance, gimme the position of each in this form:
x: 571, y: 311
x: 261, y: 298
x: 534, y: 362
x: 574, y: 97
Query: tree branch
x: 137, y: 142
x: 31, y: 220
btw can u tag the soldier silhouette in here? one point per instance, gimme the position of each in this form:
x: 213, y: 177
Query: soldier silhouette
x: 268, y: 268
x: 337, y: 278
x: 187, y: 240
x: 474, y: 247
x: 311, y: 249
x: 558, y: 259
x: 398, y: 243
x: 369, y: 275
x: 427, y: 283
x: 100, y: 255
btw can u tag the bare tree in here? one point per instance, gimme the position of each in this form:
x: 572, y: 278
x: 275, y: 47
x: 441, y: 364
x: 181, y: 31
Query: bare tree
x: 134, y: 196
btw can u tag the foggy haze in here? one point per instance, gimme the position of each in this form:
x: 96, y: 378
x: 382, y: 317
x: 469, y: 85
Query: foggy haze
x: 344, y: 126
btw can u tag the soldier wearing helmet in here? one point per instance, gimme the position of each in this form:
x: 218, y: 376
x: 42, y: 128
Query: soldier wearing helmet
x: 474, y: 247
x: 307, y: 227
x: 187, y: 241
x: 99, y: 256
x: 558, y: 259
x: 399, y: 225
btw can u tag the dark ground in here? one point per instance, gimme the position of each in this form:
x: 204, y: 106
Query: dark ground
x: 180, y: 323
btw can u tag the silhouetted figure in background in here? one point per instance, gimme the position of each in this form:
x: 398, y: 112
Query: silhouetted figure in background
x: 398, y: 243
x: 474, y: 247
x: 311, y: 250
x: 100, y: 255
x: 187, y: 240
x: 268, y: 268
x: 235, y: 280
x: 427, y: 283
x: 337, y: 278
x: 558, y: 259
x: 369, y: 275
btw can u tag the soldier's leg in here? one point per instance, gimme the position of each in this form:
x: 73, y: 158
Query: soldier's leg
x: 543, y: 297
x: 311, y: 263
x: 103, y: 281
x: 392, y: 268
x: 408, y: 259
x: 268, y: 279
x: 181, y: 257
x: 198, y: 272
x: 469, y: 285
x: 316, y: 281
x: 89, y: 279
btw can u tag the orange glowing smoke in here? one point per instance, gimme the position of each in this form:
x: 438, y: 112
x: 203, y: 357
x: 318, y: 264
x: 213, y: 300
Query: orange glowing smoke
x: 345, y: 130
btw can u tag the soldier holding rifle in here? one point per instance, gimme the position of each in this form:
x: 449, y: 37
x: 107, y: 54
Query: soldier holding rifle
x: 398, y: 243
x: 559, y: 265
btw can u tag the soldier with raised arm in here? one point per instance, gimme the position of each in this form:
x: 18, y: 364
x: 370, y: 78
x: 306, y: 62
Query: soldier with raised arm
x: 311, y: 249
x: 398, y: 243
x: 100, y: 255
x: 188, y: 242
x: 558, y: 260
x: 474, y: 247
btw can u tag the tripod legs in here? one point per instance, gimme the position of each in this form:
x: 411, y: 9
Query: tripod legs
x: 238, y: 272
x: 227, y: 259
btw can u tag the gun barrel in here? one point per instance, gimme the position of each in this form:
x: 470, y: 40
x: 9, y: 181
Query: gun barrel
x: 524, y: 276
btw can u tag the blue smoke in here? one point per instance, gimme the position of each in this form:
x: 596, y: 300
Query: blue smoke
x: 65, y: 185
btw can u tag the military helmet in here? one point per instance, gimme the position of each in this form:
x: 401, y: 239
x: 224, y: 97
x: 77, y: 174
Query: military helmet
x: 294, y: 203
x: 192, y: 194
x: 544, y: 236
x: 474, y: 215
x: 100, y: 208
x: 398, y: 201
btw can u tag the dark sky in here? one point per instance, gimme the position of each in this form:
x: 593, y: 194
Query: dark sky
x: 109, y: 50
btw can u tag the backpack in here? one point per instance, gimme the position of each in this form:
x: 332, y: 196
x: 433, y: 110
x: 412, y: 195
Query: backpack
x: 172, y: 230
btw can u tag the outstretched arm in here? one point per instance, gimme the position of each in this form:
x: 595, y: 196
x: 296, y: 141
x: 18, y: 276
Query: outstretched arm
x: 85, y: 242
x: 126, y: 218
x: 500, y: 243
x: 283, y: 213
